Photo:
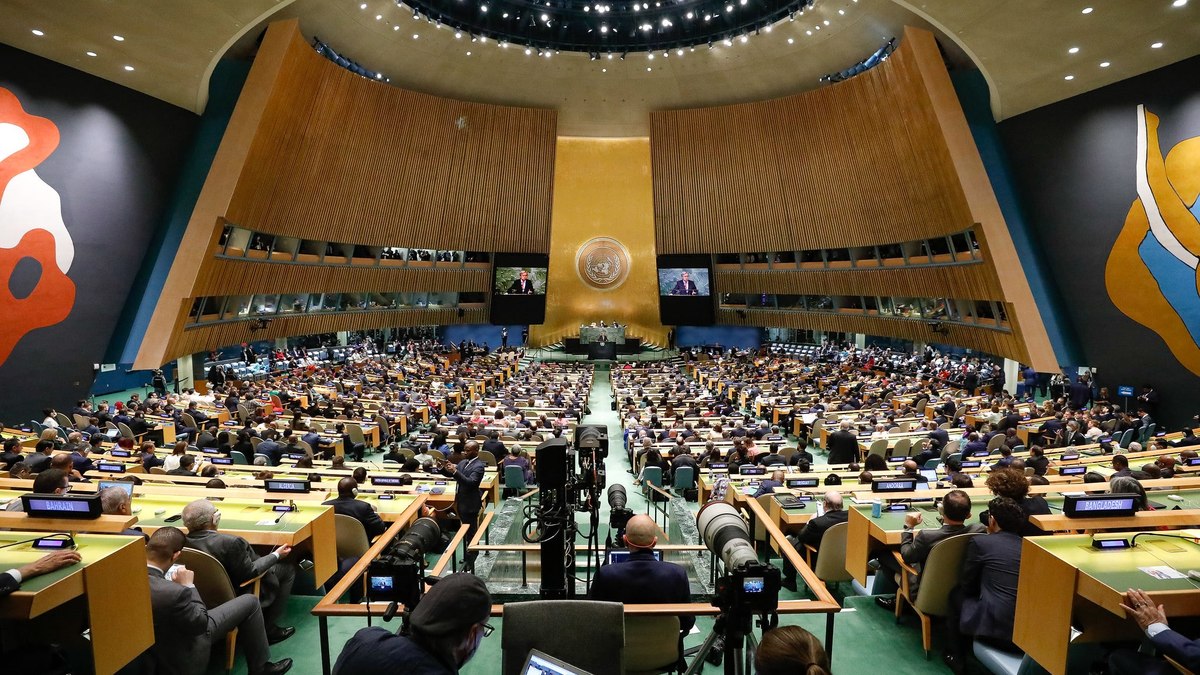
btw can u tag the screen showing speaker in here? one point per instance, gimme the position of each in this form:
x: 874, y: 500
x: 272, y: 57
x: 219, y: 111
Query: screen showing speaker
x: 685, y: 292
x: 519, y: 288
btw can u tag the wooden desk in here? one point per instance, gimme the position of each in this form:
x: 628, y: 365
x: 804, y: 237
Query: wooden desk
x: 866, y: 534
x: 111, y: 576
x: 1065, y: 583
x: 311, y: 523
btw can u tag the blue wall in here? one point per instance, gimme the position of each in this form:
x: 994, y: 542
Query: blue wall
x: 224, y: 88
x: 480, y: 333
x: 742, y: 337
x: 973, y: 95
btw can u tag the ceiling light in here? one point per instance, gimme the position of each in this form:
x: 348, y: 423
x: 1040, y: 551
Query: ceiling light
x: 842, y: 12
x: 690, y: 15
x: 90, y: 53
x: 808, y: 32
x: 603, y: 29
x: 604, y: 70
x: 678, y: 52
x: 743, y: 2
x: 728, y: 8
x: 415, y: 36
x: 118, y: 38
x: 1087, y: 10
x: 826, y: 22
x: 1156, y: 45
x: 483, y: 8
x: 545, y: 17
x: 745, y: 38
x: 791, y: 41
x: 1179, y: 3
x: 379, y: 17
x: 728, y: 42
x: 468, y: 53
x: 363, y: 6
x: 457, y: 35
x: 650, y: 56
x: 1073, y: 50
x: 1069, y: 78
x: 648, y: 69
x: 1105, y: 64
x: 38, y: 32
x: 129, y: 68
x: 528, y: 51
x: 610, y: 57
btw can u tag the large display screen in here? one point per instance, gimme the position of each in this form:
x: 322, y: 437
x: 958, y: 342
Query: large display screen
x: 685, y: 293
x: 519, y: 288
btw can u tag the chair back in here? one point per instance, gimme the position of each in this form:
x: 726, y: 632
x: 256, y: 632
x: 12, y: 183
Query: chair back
x: 952, y: 448
x: 940, y: 573
x: 996, y: 442
x: 158, y: 470
x: 315, y: 426
x: 651, y: 644
x: 901, y: 448
x: 588, y: 634
x: 514, y: 477
x: 356, y: 434
x: 255, y: 440
x: 932, y: 464
x: 81, y: 421
x: 437, y: 455
x: 487, y: 457
x: 1126, y: 438
x: 920, y: 407
x: 684, y: 479
x: 653, y: 474
x: 126, y: 432
x: 243, y: 413
x: 212, y: 581
x: 188, y: 420
x: 831, y: 557
x: 64, y: 421
x: 879, y: 447
x: 238, y: 457
x: 351, y: 537
x: 787, y: 454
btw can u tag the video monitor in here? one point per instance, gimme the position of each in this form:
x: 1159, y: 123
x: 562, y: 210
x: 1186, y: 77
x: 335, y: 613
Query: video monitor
x: 685, y: 293
x: 519, y: 288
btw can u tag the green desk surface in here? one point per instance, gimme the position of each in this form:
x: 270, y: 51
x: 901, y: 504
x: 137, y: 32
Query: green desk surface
x: 894, y: 520
x: 395, y: 505
x: 91, y: 547
x: 235, y: 514
x: 1119, y: 569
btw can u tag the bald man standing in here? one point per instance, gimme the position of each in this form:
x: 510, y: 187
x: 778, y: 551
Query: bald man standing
x: 642, y: 579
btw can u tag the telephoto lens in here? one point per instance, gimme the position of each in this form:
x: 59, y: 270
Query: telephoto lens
x: 421, y: 538
x: 726, y: 534
x: 616, y: 496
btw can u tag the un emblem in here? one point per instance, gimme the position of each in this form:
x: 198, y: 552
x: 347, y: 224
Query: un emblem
x: 602, y: 263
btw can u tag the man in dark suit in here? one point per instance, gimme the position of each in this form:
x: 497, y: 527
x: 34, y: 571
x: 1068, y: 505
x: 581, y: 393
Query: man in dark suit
x: 468, y: 474
x: 11, y: 580
x: 685, y: 286
x: 916, y: 544
x: 814, y: 530
x: 184, y: 629
x: 1152, y: 619
x: 642, y: 580
x: 494, y: 445
x: 842, y: 445
x: 201, y: 518
x: 185, y: 467
x: 521, y: 285
x: 347, y: 504
x: 984, y: 605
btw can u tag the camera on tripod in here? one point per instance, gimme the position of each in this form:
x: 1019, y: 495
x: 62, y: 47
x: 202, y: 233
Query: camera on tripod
x: 749, y: 586
x: 397, y: 574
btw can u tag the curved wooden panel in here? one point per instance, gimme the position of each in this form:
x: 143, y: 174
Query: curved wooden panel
x: 236, y: 277
x: 996, y: 342
x: 974, y: 281
x: 203, y: 338
x: 342, y: 158
x: 859, y: 162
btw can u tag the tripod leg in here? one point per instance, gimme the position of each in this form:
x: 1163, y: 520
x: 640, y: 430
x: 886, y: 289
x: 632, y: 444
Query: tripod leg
x: 704, y: 649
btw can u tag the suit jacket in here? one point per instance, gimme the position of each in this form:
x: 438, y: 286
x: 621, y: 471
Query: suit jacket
x: 360, y: 511
x: 643, y: 580
x: 685, y: 288
x: 8, y: 584
x: 915, y: 547
x: 815, y: 529
x: 181, y: 643
x: 515, y: 287
x: 843, y: 447
x: 989, y: 585
x: 467, y: 498
x: 37, y: 462
x: 240, y: 561
x: 1178, y: 647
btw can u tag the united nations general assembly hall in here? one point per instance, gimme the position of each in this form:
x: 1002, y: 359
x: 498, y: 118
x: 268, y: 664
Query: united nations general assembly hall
x: 599, y: 337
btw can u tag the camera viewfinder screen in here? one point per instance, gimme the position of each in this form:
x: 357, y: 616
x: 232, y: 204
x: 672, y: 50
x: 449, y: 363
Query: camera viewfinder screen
x: 381, y: 583
x: 753, y: 585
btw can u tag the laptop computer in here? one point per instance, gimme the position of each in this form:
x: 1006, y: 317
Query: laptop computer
x: 541, y: 663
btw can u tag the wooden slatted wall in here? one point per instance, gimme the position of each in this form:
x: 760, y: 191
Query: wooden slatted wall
x: 855, y: 163
x: 236, y: 277
x: 972, y: 281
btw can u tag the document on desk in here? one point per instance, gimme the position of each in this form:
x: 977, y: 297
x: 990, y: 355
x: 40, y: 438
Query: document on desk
x: 1163, y: 572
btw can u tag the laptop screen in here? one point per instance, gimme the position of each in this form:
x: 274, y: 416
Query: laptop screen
x: 621, y: 555
x: 540, y: 663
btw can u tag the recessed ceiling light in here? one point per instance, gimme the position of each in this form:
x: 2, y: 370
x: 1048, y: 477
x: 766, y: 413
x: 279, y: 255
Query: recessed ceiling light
x: 604, y: 70
x: 363, y: 6
x: 791, y: 40
x: 1105, y: 64
x: 647, y: 69
x: 395, y: 27
x: 129, y: 68
x: 457, y: 35
x: 38, y: 32
x: 1069, y: 77
x: 415, y: 36
x: 842, y: 11
x: 468, y: 53
x: 1086, y: 10
x: 1156, y: 45
x: 90, y: 53
x: 808, y: 32
x: 1073, y: 50
x: 118, y: 38
x: 826, y: 22
x: 1179, y: 3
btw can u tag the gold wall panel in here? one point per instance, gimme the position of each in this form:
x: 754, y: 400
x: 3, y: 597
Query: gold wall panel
x: 602, y: 188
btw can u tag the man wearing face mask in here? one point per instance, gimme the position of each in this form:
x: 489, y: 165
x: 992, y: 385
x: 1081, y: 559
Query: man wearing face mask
x: 447, y: 628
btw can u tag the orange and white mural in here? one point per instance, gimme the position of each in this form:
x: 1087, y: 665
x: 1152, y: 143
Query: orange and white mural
x: 1151, y: 273
x: 31, y: 227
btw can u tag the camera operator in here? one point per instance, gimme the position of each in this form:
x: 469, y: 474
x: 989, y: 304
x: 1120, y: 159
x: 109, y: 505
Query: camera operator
x: 448, y: 625
x: 642, y: 580
x: 468, y: 473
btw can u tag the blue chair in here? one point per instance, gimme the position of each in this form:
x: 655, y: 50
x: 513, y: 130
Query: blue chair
x: 932, y: 464
x: 651, y: 475
x: 514, y: 480
x: 238, y: 457
x: 1000, y: 662
x: 1126, y: 439
x: 684, y: 479
x: 1147, y: 433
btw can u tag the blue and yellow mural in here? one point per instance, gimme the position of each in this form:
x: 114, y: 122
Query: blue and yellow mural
x: 1151, y: 273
